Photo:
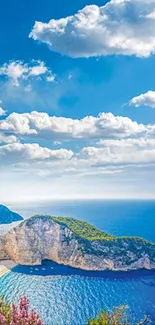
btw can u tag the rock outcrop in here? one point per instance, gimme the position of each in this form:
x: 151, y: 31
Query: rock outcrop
x: 7, y: 216
x: 42, y: 237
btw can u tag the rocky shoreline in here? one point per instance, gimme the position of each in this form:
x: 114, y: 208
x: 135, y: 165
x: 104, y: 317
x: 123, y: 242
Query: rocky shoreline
x: 6, y: 266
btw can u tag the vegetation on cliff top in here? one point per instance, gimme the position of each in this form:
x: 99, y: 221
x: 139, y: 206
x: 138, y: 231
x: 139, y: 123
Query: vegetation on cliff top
x: 83, y: 229
x: 87, y: 231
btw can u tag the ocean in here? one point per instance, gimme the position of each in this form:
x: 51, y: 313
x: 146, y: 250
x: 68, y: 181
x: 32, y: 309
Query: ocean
x: 66, y: 296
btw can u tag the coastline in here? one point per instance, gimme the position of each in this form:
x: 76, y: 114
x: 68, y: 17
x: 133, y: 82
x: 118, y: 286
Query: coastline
x: 6, y: 266
x: 3, y: 270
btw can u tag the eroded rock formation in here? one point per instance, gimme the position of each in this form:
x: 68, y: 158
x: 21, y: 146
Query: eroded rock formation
x: 40, y: 238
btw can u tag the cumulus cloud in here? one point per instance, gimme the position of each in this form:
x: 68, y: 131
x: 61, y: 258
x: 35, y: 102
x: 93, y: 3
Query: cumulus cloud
x: 128, y: 143
x: 7, y: 138
x: 120, y: 154
x: 107, y: 159
x: 18, y: 70
x: 146, y: 99
x: 18, y: 152
x: 105, y: 125
x: 119, y: 27
x: 131, y: 150
x: 108, y: 143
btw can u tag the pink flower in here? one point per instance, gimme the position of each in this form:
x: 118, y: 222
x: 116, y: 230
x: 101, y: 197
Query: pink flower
x: 2, y: 320
x: 19, y: 315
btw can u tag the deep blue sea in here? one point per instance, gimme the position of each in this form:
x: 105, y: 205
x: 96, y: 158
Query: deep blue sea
x: 66, y: 296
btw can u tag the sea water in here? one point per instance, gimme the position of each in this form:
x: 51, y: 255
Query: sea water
x: 66, y: 296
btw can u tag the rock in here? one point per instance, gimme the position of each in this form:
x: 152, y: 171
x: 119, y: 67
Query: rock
x: 8, y: 216
x: 42, y: 237
x: 3, y: 252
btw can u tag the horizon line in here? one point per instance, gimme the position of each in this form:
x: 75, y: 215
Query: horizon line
x: 37, y: 200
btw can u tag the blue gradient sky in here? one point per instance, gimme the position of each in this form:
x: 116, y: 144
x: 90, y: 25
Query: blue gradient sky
x: 82, y: 86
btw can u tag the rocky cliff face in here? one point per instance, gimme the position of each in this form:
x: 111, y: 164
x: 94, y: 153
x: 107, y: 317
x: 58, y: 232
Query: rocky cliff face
x: 3, y: 252
x: 43, y: 238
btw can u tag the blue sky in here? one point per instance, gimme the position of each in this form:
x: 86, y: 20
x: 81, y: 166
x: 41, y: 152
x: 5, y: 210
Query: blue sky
x: 90, y: 79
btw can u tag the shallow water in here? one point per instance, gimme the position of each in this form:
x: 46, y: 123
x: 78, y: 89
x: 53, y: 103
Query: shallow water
x: 69, y: 296
x: 66, y: 296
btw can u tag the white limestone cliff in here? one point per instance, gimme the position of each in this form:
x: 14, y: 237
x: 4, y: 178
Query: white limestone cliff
x: 42, y: 238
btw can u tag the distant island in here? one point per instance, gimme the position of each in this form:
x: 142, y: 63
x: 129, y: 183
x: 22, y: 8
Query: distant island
x: 74, y: 243
x: 7, y: 216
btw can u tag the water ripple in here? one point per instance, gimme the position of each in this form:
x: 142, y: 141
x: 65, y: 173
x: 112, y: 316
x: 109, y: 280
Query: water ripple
x: 62, y: 299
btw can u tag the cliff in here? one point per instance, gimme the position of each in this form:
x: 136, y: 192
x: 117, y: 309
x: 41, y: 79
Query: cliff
x: 8, y: 216
x: 75, y: 243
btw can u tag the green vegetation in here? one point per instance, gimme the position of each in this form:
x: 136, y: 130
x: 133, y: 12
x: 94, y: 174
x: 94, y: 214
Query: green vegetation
x: 83, y: 229
x: 87, y: 231
x: 117, y: 317
x: 12, y: 314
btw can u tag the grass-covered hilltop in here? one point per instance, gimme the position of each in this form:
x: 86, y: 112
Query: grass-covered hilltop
x: 75, y: 243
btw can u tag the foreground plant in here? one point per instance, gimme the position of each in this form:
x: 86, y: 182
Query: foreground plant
x: 18, y: 315
x: 12, y: 314
x: 117, y: 317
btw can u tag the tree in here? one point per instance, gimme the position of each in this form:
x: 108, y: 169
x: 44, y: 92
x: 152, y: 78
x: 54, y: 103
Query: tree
x: 117, y: 317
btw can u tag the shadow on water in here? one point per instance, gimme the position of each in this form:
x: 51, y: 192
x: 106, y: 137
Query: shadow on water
x: 49, y: 268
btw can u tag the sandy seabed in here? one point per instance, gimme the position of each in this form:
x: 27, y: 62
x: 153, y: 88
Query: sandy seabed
x: 6, y: 266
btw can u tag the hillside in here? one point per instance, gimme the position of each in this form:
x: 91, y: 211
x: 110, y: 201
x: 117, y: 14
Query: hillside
x: 7, y: 216
x: 83, y: 229
x: 75, y: 243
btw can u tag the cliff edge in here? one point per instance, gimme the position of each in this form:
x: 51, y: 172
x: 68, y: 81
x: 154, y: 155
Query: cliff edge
x: 74, y: 243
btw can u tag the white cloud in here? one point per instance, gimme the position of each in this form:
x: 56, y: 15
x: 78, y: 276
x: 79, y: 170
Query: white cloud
x: 18, y: 152
x: 2, y: 111
x: 120, y: 154
x: 105, y: 125
x: 7, y: 138
x: 14, y: 71
x: 146, y: 99
x: 119, y: 27
x: 128, y: 143
x: 38, y: 69
x: 131, y: 151
x: 151, y: 15
x: 108, y: 144
x: 18, y: 70
x: 50, y: 78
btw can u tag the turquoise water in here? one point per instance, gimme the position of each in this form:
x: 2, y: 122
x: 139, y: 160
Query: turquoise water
x: 66, y: 296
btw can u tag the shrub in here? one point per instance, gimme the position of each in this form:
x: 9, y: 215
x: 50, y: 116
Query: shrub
x: 83, y: 229
x: 18, y: 315
x: 117, y: 317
